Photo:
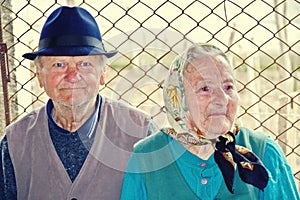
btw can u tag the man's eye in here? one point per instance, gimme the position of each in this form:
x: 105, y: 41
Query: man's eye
x: 58, y: 64
x: 85, y: 64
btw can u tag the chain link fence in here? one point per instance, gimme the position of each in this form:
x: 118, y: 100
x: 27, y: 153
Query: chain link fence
x: 260, y: 37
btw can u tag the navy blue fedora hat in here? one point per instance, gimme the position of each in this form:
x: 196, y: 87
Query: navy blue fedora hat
x: 70, y: 31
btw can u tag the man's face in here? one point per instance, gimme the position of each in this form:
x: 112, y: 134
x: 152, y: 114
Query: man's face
x: 210, y: 95
x: 71, y: 80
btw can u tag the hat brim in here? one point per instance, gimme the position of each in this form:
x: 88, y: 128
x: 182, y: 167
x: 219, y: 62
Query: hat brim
x: 69, y: 51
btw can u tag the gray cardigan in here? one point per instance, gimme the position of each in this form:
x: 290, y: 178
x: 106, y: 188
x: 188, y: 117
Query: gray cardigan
x: 40, y: 173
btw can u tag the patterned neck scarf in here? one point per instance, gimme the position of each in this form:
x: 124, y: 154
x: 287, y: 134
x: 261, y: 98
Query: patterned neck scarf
x: 227, y: 154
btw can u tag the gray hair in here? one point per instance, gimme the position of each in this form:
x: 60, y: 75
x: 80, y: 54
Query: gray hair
x: 197, y: 51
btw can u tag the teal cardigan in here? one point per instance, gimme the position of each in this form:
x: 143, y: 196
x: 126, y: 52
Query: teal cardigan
x: 161, y: 168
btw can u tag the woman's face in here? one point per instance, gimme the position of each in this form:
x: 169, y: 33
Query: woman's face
x: 211, y: 95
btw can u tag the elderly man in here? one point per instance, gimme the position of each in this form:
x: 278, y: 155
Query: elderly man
x: 78, y: 144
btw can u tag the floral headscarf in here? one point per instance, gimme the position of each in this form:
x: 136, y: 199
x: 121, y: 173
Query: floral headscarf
x: 227, y: 154
x: 174, y: 97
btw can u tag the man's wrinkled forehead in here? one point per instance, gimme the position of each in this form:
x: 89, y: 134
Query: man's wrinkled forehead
x: 87, y: 57
x: 44, y: 60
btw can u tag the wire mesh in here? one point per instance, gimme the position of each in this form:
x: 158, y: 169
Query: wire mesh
x: 261, y: 39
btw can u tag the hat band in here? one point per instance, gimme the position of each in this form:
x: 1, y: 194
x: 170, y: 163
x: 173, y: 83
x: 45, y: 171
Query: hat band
x: 70, y: 40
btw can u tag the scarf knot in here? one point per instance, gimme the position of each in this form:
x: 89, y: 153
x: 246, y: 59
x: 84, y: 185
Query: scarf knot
x: 228, y: 155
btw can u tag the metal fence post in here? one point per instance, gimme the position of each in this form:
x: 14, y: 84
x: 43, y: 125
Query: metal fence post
x: 4, y: 74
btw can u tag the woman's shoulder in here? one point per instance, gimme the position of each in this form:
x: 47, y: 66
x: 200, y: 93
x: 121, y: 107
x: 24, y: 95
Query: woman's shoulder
x: 253, y: 140
x: 152, y: 142
x: 250, y: 133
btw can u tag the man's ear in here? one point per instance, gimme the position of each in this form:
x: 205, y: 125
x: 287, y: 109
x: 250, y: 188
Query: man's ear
x: 38, y: 73
x: 102, y: 79
x: 102, y: 76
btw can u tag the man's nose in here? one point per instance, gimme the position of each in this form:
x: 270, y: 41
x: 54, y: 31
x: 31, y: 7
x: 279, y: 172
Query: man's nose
x: 72, y: 74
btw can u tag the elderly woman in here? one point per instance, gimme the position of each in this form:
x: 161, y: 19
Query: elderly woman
x: 205, y: 155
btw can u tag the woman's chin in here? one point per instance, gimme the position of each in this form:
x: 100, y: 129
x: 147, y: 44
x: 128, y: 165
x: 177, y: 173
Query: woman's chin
x: 211, y: 136
x: 215, y: 132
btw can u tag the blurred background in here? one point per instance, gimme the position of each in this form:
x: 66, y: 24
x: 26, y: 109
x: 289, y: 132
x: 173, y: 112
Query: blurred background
x: 261, y: 38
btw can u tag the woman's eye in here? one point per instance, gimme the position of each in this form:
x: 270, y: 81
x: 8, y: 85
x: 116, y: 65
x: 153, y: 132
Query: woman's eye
x: 229, y: 87
x: 203, y: 89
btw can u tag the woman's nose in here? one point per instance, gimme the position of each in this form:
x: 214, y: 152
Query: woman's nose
x: 220, y: 97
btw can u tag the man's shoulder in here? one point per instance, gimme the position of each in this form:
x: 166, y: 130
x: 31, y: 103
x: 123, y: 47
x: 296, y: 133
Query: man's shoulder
x: 114, y: 104
x: 26, y: 120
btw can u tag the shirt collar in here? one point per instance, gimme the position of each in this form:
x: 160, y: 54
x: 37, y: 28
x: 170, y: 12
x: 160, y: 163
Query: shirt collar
x: 87, y: 129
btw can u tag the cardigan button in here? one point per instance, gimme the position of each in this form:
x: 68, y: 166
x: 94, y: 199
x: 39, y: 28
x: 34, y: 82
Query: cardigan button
x: 204, y: 181
x: 73, y: 199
